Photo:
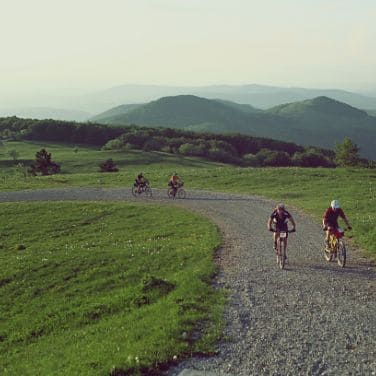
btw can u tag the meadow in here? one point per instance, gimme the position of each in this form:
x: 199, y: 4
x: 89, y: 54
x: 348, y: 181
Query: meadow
x: 94, y: 288
x: 309, y: 189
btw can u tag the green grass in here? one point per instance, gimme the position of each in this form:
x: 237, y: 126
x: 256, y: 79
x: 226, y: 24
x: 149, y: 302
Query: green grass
x: 305, y: 188
x: 86, y: 288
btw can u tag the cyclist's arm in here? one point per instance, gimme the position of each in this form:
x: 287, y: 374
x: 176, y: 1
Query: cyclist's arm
x: 342, y: 214
x: 292, y: 222
x: 269, y: 224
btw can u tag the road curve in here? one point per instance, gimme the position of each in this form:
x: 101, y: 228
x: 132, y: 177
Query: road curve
x: 314, y: 318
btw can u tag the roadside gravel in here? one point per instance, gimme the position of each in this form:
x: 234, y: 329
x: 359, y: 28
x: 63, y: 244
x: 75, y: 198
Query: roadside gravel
x: 314, y: 318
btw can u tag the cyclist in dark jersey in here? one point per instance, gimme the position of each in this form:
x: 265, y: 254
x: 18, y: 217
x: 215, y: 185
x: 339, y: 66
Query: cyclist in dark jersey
x: 330, y: 219
x: 279, y: 220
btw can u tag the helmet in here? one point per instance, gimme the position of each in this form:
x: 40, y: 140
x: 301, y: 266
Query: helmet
x: 335, y: 204
x: 140, y: 175
x: 280, y: 206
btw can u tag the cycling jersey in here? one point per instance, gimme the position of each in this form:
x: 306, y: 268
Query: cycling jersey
x: 280, y: 222
x: 331, y: 216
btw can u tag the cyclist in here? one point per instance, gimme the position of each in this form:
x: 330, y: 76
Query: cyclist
x: 330, y: 219
x: 175, y: 182
x: 140, y: 182
x: 279, y: 220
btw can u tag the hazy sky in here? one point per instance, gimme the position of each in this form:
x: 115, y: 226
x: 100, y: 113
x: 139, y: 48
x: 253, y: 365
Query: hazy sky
x: 96, y: 44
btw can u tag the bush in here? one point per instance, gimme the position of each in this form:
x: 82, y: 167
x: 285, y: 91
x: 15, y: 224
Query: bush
x: 43, y: 164
x: 311, y: 159
x: 251, y: 160
x: 108, y: 166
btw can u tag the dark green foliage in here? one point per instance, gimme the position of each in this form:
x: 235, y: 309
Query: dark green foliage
x: 108, y: 166
x: 57, y: 131
x: 312, y: 158
x: 347, y: 153
x: 228, y: 148
x: 43, y: 164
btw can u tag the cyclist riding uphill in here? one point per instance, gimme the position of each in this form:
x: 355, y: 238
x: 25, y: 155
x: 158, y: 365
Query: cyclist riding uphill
x: 175, y: 182
x: 330, y: 219
x: 278, y: 222
x: 140, y: 182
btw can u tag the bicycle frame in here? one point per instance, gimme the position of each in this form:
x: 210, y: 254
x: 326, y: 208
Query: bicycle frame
x: 337, y: 248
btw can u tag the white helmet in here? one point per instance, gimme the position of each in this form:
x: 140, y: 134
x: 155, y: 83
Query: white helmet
x: 280, y: 206
x: 335, y: 204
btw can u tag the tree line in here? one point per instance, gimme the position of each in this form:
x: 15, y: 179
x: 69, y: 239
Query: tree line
x: 228, y: 148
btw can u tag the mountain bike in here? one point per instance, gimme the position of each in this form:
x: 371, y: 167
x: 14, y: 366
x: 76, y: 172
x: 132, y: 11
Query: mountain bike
x: 178, y: 192
x: 281, y: 250
x: 336, y: 248
x: 144, y: 189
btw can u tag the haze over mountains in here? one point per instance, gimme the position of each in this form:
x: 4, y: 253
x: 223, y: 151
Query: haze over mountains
x: 321, y: 121
x: 81, y: 106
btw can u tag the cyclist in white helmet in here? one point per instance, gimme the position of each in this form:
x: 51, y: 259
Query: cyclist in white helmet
x: 330, y: 219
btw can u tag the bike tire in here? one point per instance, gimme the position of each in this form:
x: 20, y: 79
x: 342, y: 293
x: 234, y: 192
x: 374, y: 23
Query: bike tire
x: 282, y: 261
x: 134, y: 191
x: 148, y: 192
x: 341, y: 254
x: 280, y: 258
x: 170, y: 193
x: 181, y: 193
x: 328, y: 255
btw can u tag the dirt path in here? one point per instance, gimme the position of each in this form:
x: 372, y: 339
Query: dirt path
x: 314, y: 318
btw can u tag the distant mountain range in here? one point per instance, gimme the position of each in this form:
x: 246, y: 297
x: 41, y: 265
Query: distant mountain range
x: 259, y: 96
x: 88, y: 104
x: 320, y: 121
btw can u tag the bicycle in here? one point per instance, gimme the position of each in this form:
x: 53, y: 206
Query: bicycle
x: 281, y: 250
x: 178, y: 191
x: 337, y: 247
x: 144, y: 189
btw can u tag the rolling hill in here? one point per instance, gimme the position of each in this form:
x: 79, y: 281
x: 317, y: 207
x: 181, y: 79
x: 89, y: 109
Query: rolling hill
x: 321, y: 121
x: 260, y: 96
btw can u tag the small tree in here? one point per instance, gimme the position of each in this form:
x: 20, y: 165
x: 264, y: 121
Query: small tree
x: 347, y: 153
x: 108, y: 166
x: 43, y: 164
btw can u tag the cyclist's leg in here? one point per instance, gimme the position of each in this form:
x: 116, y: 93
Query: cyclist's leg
x: 275, y: 239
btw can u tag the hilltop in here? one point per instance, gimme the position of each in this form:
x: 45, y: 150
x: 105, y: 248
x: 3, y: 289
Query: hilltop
x: 321, y: 121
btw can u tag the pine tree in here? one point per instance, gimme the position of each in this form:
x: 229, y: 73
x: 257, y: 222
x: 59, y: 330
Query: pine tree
x: 43, y: 164
x: 347, y: 153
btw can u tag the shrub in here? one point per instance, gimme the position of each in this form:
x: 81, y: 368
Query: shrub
x: 108, y: 166
x: 43, y: 164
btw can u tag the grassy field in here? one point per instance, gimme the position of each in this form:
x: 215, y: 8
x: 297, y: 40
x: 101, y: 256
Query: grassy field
x: 310, y: 189
x: 87, y: 288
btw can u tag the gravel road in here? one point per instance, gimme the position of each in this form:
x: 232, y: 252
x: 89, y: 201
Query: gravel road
x: 313, y: 318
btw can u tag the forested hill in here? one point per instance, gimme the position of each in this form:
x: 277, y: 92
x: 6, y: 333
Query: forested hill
x: 321, y: 121
x: 231, y: 148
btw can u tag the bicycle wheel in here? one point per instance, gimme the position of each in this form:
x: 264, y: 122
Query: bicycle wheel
x: 279, y: 253
x: 148, y: 192
x: 328, y: 255
x: 134, y: 191
x: 341, y: 253
x: 181, y: 193
x: 282, y: 258
x: 170, y: 193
